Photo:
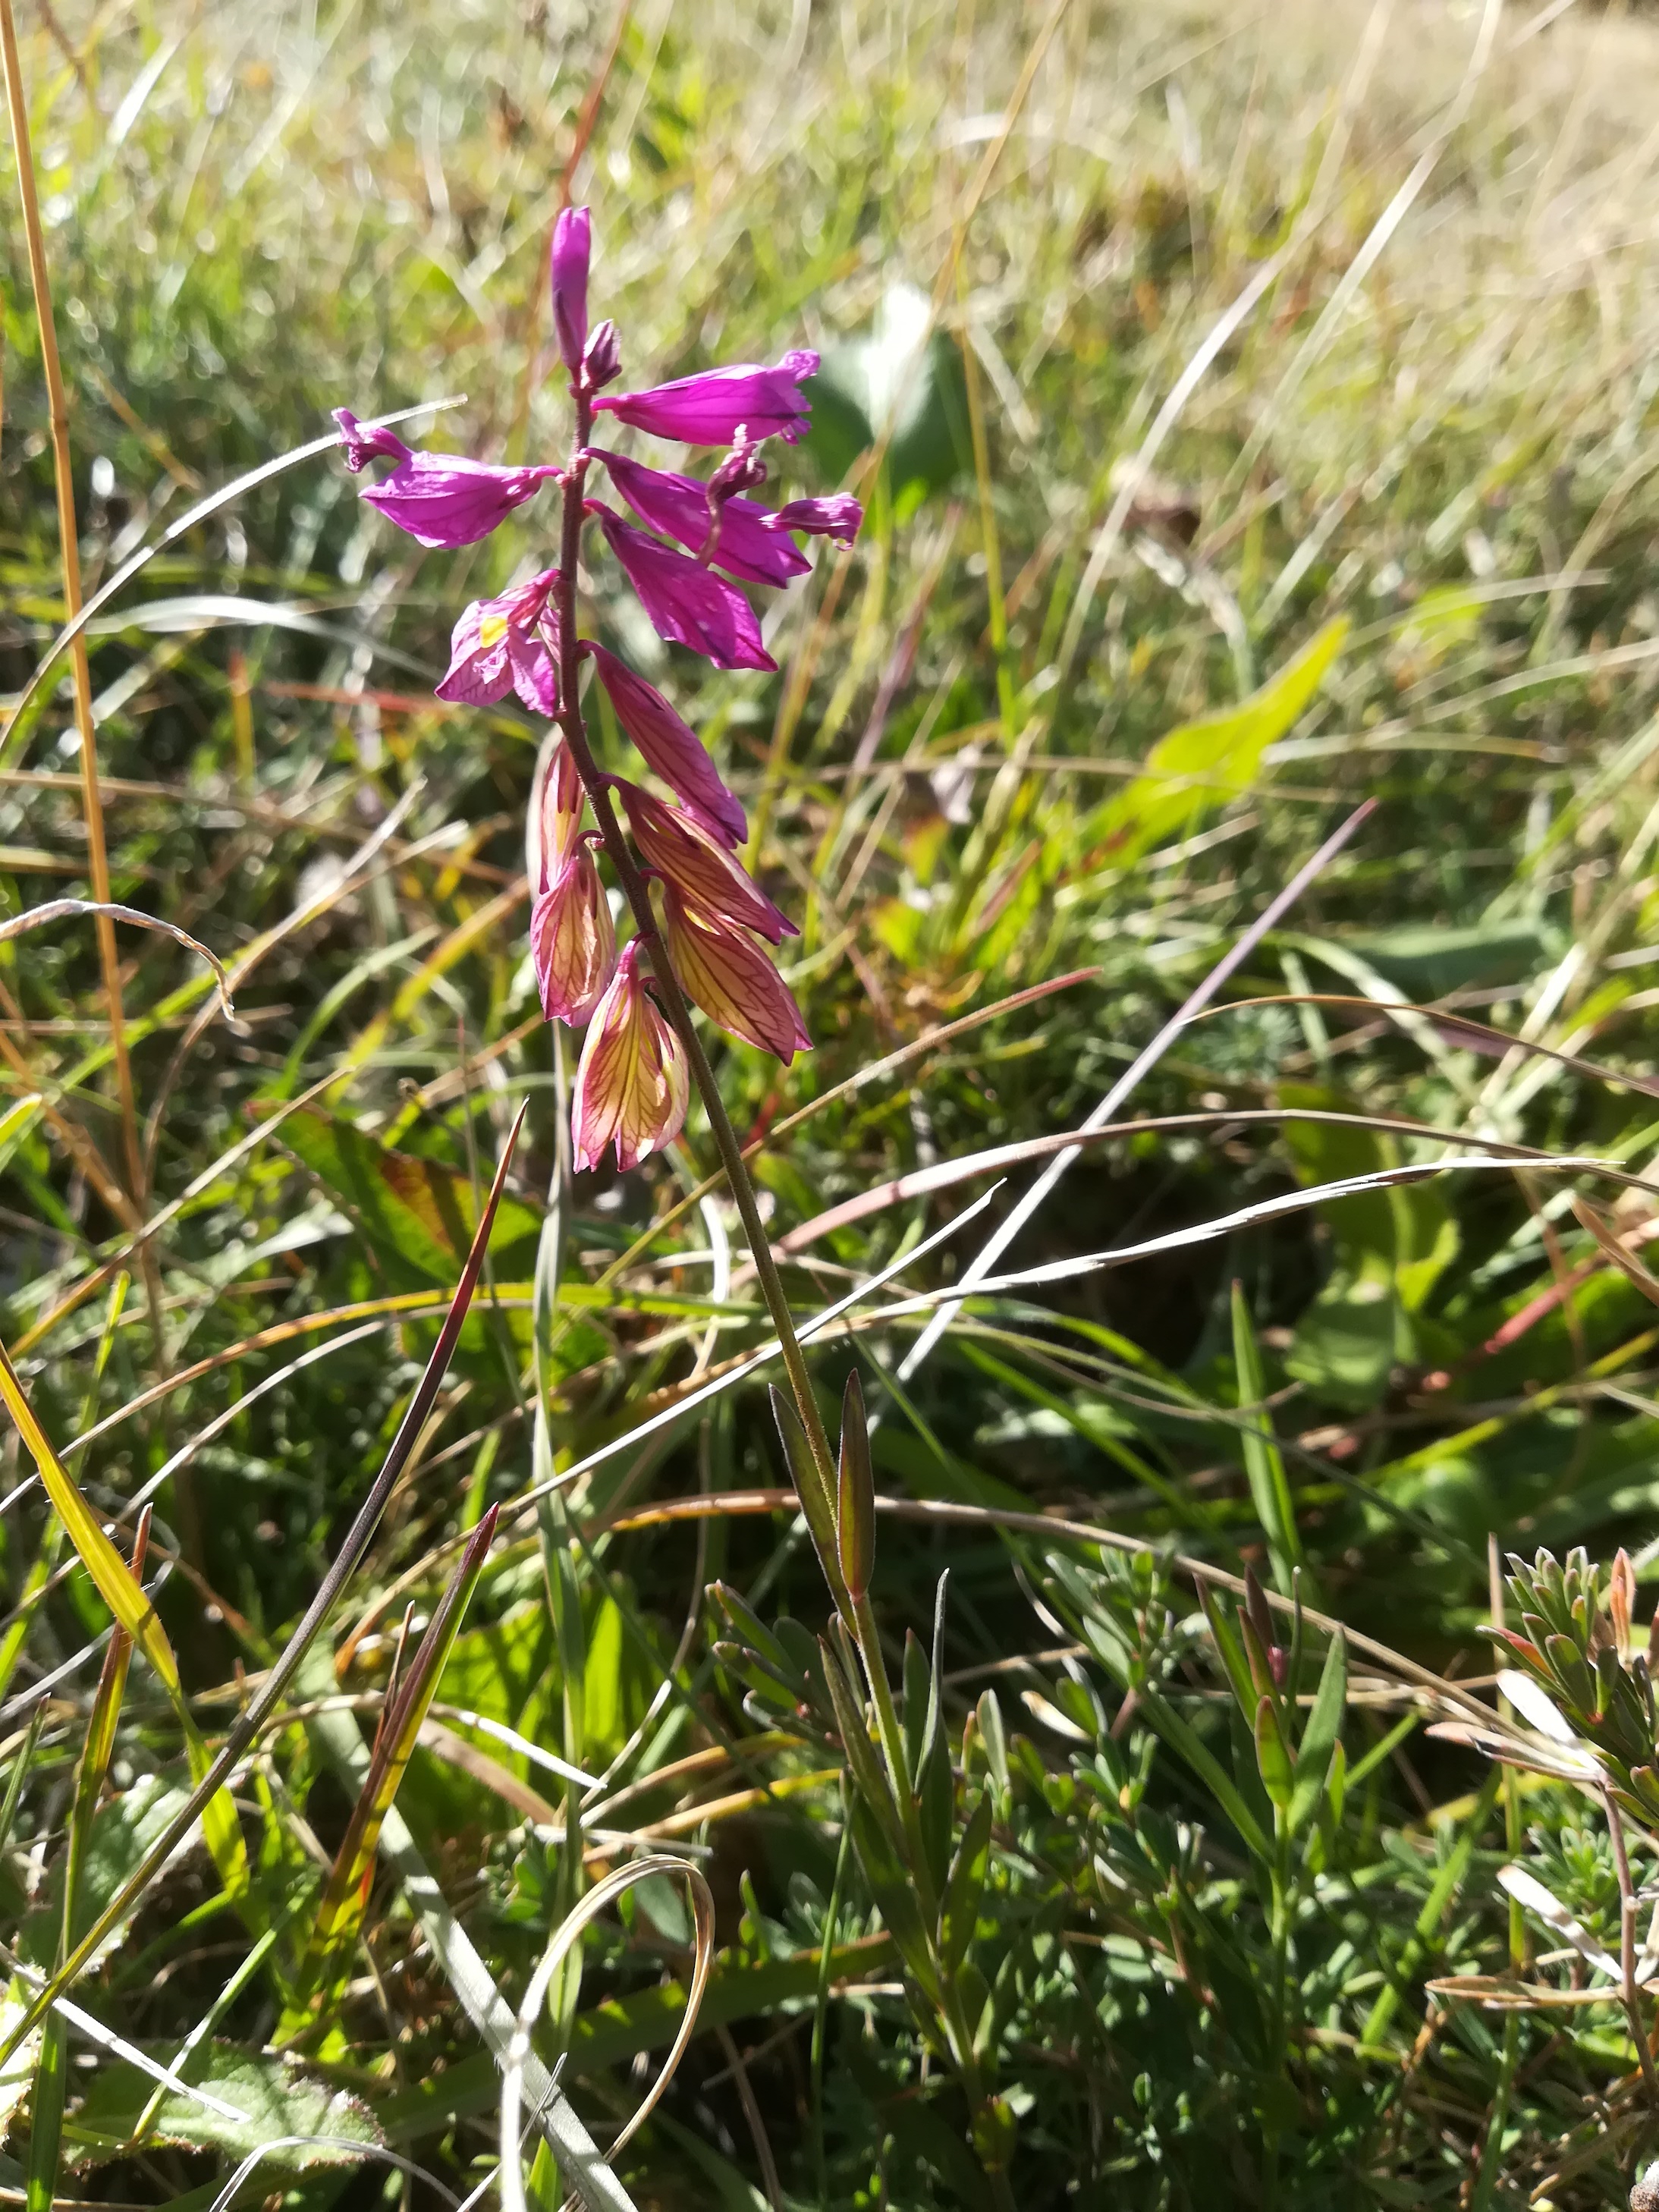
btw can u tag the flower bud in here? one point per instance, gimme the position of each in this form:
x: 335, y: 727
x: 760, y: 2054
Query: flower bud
x: 602, y: 361
x: 572, y: 241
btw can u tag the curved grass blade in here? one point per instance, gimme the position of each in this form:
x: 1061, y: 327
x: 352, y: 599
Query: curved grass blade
x: 259, y: 1709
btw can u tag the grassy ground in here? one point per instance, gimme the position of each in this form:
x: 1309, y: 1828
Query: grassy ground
x: 1291, y: 387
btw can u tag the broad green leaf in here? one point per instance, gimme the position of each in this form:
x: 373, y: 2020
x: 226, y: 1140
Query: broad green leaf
x: 278, y: 2098
x: 902, y: 380
x: 419, y: 1215
x: 1204, y: 763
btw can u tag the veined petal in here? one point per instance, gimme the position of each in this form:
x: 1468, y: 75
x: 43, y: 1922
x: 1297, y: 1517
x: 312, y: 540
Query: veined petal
x: 573, y: 941
x: 734, y: 983
x: 697, y: 865
x: 711, y: 409
x: 563, y: 802
x: 632, y: 1085
x: 688, y: 604
x: 669, y: 745
x: 680, y: 507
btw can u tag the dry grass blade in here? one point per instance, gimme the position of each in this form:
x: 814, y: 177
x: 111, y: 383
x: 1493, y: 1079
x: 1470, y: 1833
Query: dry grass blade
x: 58, y: 909
x: 604, y: 1893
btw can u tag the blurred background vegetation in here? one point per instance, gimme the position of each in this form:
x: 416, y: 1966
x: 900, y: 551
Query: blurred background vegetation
x: 1221, y: 334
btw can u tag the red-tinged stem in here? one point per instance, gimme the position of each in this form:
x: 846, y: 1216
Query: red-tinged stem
x: 674, y: 1007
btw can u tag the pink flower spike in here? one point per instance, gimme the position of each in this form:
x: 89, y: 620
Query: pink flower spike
x: 360, y: 447
x: 567, y: 270
x: 633, y: 1085
x: 573, y: 941
x: 502, y: 645
x: 669, y: 746
x: 710, y: 410
x: 734, y: 983
x: 679, y: 507
x: 687, y: 604
x: 838, y: 517
x: 439, y: 498
x: 697, y: 867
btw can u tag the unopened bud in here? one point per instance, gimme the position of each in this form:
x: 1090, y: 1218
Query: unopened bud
x: 572, y: 241
x: 602, y: 361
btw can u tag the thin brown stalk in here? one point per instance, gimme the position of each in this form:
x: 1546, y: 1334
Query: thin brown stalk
x: 69, y: 539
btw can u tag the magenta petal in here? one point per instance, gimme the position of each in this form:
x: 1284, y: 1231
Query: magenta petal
x: 677, y: 505
x: 839, y: 516
x: 477, y: 671
x: 710, y: 410
x: 572, y: 242
x: 688, y: 604
x: 444, y: 499
x: 495, y: 648
x: 670, y: 746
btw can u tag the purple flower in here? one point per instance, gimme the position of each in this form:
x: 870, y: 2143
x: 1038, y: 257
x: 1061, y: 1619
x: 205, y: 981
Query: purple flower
x: 711, y: 409
x: 838, y: 517
x: 679, y: 507
x: 501, y: 645
x: 669, y: 746
x: 572, y: 238
x: 439, y: 498
x: 687, y: 604
x: 693, y: 863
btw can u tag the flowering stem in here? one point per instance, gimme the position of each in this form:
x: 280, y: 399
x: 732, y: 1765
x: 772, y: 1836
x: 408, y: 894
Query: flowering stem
x: 668, y: 989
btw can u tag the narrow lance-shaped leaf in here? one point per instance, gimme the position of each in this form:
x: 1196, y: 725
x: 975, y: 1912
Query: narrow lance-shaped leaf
x: 1320, y: 1737
x: 46, y: 2100
x: 1264, y: 1464
x: 865, y: 1772
x: 346, y: 1893
x: 966, y: 1886
x: 134, y: 1612
x: 816, y: 1506
x: 1273, y: 1756
x: 934, y: 1789
x: 988, y: 1714
x: 855, y: 1508
x: 1245, y: 1690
